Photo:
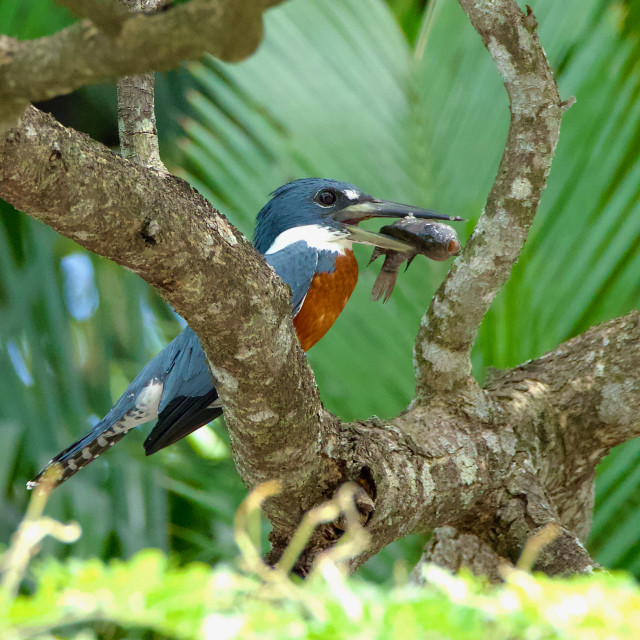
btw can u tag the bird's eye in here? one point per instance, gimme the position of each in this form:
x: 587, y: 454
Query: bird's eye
x: 326, y: 197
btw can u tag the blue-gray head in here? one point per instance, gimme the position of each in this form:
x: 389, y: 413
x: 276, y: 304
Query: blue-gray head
x: 331, y: 206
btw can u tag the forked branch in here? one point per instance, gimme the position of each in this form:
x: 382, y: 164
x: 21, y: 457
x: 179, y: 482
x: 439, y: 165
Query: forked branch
x: 448, y: 330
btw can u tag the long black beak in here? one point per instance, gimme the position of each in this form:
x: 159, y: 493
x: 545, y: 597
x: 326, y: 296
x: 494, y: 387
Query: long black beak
x: 384, y: 209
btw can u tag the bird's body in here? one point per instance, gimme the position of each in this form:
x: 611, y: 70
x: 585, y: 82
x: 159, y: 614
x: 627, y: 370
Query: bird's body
x: 327, y: 297
x: 305, y: 233
x: 434, y: 240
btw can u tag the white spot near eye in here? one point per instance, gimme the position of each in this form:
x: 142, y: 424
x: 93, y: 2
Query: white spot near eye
x: 351, y: 194
x: 316, y: 236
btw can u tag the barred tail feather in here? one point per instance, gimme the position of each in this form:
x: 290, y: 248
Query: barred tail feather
x: 114, y: 426
x: 175, y: 384
x: 81, y: 453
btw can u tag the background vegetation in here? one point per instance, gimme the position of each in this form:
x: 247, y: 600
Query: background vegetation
x: 397, y: 97
x: 150, y: 598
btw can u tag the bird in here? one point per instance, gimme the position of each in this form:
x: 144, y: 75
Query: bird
x: 434, y: 240
x: 305, y: 233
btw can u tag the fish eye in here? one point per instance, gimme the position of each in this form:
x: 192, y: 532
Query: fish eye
x: 326, y: 197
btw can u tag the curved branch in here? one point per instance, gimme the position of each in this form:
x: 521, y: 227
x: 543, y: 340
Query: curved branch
x: 34, y: 70
x: 163, y: 230
x: 588, y: 389
x: 447, y: 332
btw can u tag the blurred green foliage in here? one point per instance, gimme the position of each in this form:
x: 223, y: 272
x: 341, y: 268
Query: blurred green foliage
x: 148, y: 596
x: 400, y: 99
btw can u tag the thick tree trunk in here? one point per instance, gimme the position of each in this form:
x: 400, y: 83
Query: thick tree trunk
x: 488, y: 468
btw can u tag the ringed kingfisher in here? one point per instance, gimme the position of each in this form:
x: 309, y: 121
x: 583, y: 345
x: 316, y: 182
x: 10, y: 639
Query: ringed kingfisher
x: 305, y: 233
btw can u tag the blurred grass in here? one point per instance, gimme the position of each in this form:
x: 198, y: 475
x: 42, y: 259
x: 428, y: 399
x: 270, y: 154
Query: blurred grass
x: 337, y: 90
x: 149, y: 597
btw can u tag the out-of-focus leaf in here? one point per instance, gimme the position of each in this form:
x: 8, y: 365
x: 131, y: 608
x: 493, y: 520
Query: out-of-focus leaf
x: 147, y: 596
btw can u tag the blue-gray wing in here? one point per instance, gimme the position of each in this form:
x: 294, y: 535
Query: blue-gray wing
x: 174, y: 386
x: 189, y: 399
x: 296, y: 265
x: 189, y: 373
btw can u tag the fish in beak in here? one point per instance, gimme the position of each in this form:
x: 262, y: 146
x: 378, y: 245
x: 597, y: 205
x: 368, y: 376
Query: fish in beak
x: 434, y: 240
x: 355, y: 213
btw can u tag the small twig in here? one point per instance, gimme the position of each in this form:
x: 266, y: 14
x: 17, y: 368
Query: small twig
x: 530, y: 22
x: 565, y: 105
x: 136, y: 110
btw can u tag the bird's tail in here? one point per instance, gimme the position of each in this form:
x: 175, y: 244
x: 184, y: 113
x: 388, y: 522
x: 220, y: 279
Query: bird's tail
x: 102, y: 437
x: 383, y: 286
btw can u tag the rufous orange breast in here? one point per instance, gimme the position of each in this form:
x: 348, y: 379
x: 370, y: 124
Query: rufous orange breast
x: 325, y: 300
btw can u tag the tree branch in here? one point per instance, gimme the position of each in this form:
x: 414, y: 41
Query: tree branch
x: 448, y: 330
x: 34, y: 70
x: 136, y: 111
x: 450, y: 549
x: 163, y: 230
x: 589, y: 386
x: 582, y: 399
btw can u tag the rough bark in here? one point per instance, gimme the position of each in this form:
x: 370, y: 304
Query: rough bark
x: 163, y: 230
x: 448, y: 330
x: 137, y: 121
x: 489, y: 467
x: 123, y: 44
x: 136, y: 110
x: 453, y: 550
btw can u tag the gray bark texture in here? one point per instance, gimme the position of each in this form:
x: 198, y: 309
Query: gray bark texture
x: 112, y: 42
x: 136, y: 109
x: 487, y: 468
